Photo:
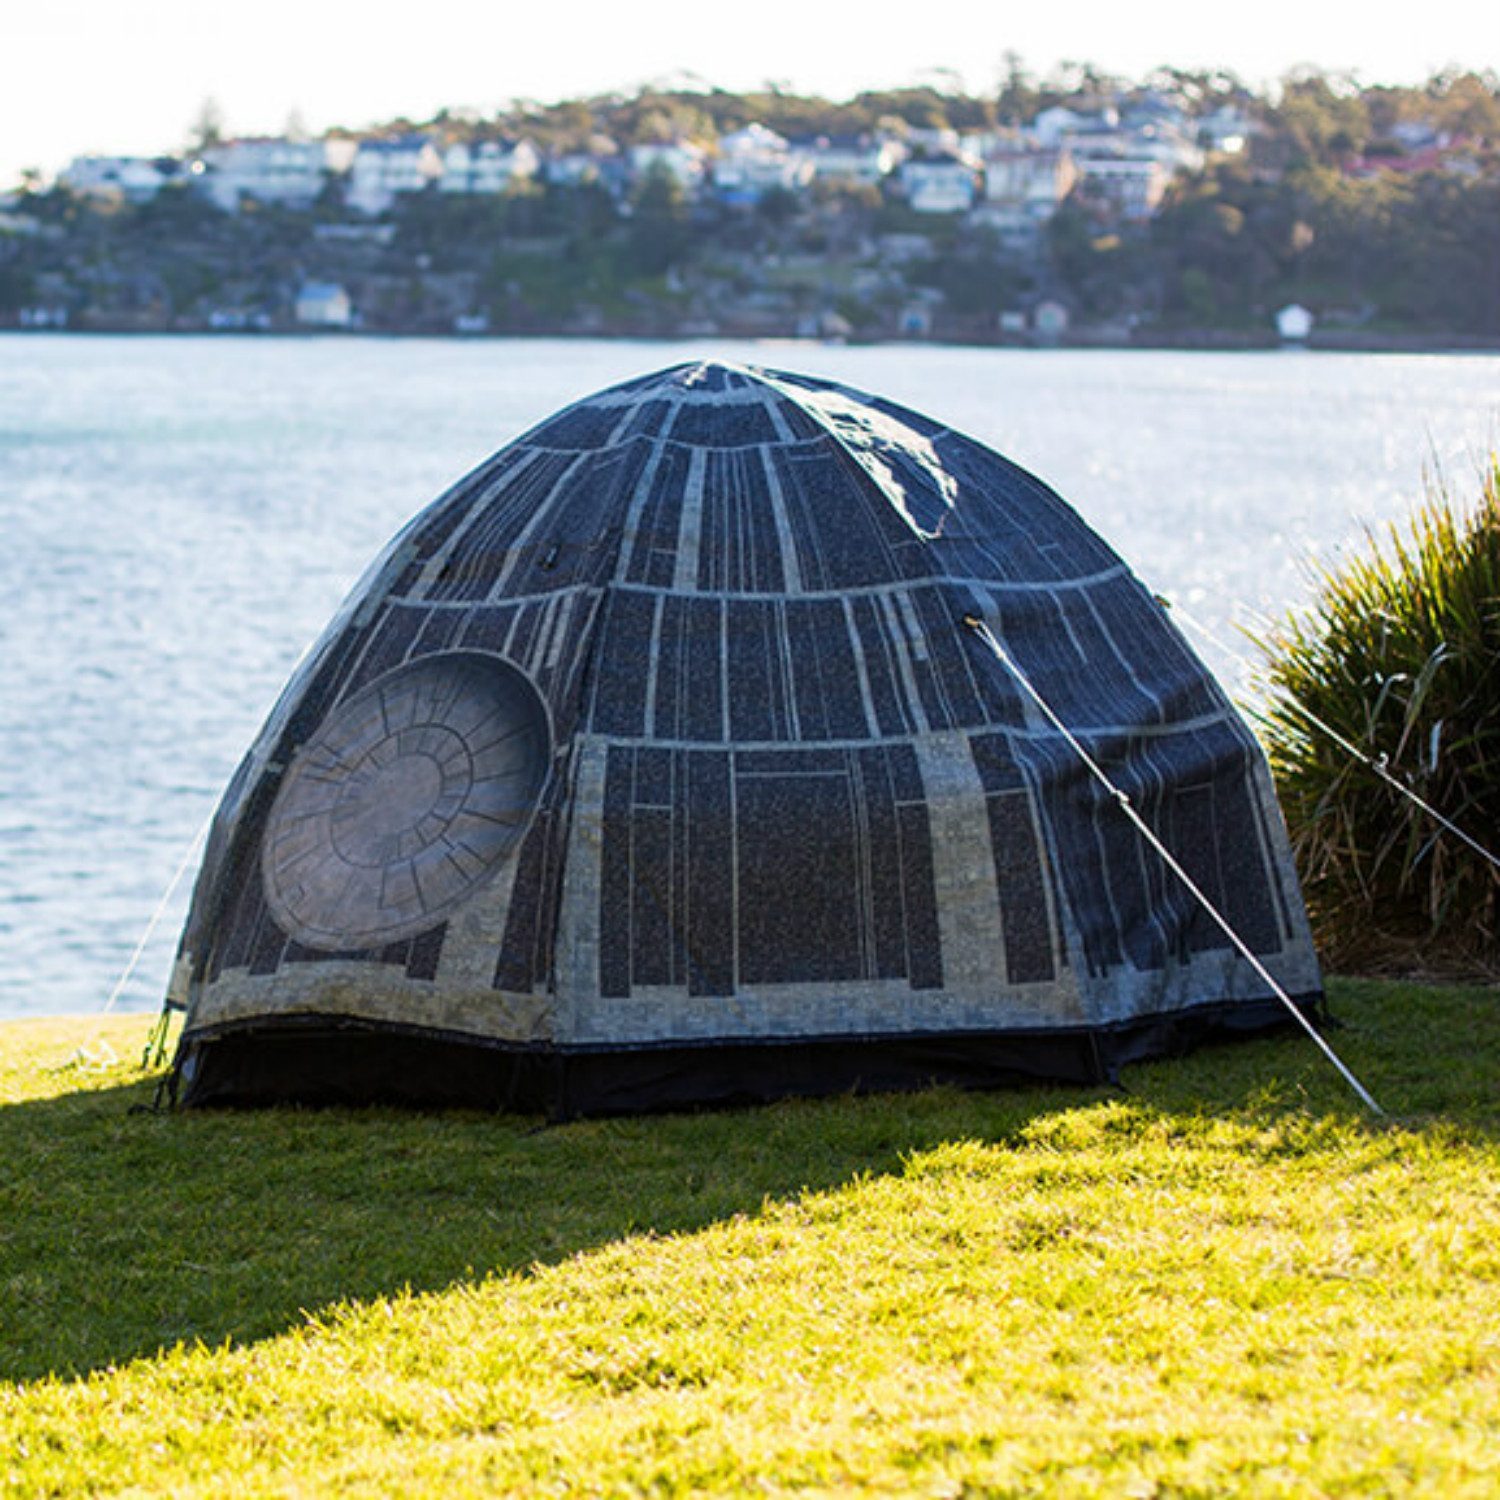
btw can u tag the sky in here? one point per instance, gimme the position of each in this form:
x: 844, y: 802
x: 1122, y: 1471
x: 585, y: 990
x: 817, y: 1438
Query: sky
x: 102, y: 76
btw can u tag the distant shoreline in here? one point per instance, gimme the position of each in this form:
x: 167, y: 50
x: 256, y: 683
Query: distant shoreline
x: 1201, y: 341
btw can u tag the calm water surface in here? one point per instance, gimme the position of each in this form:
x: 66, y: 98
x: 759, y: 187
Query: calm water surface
x: 180, y: 516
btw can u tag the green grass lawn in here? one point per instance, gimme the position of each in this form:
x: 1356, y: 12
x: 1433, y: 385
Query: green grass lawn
x: 1223, y: 1278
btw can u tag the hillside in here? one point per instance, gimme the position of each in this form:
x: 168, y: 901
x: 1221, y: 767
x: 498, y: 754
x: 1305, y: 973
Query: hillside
x: 1181, y: 208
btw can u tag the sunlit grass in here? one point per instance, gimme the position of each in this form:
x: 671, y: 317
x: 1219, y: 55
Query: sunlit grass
x: 1400, y: 654
x: 1224, y: 1278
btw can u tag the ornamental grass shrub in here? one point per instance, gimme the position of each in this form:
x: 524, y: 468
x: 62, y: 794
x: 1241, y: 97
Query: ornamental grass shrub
x: 1399, y: 655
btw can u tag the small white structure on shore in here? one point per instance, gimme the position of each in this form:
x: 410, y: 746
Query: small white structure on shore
x: 324, y: 304
x: 1049, y: 322
x: 1294, y: 323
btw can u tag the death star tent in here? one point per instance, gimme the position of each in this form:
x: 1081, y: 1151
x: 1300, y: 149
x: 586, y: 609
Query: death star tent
x: 654, y: 763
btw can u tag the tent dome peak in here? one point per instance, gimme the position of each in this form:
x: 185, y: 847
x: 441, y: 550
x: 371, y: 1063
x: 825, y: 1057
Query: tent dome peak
x: 889, y: 450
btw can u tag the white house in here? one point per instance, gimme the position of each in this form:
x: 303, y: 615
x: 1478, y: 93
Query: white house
x: 934, y: 140
x: 576, y: 168
x: 1419, y: 135
x: 1028, y: 183
x: 1175, y: 149
x: 682, y: 160
x: 488, y: 166
x: 323, y: 304
x: 1055, y: 125
x: 136, y: 179
x: 1227, y: 129
x: 946, y: 184
x: 1153, y: 109
x: 270, y: 171
x: 1132, y: 185
x: 1294, y: 323
x: 755, y: 161
x: 853, y: 160
x: 383, y: 170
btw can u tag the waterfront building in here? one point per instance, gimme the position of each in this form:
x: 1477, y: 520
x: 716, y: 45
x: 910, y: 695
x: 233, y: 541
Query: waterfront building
x: 324, y: 304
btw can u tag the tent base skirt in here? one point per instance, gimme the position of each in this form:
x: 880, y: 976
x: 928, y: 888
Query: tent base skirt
x: 324, y: 1060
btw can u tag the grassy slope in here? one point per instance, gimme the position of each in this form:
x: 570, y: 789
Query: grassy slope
x: 1222, y: 1279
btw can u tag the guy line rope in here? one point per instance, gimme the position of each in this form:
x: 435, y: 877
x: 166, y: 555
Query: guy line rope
x: 156, y: 1042
x: 1378, y: 766
x: 1122, y: 799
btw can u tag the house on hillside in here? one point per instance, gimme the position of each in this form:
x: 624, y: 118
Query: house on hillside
x: 1059, y: 123
x: 383, y: 170
x: 684, y: 162
x: 1418, y: 135
x: 599, y: 161
x: 269, y: 170
x: 755, y: 161
x: 1131, y: 187
x: 932, y: 140
x: 1451, y: 158
x: 488, y: 166
x: 853, y: 160
x: 1153, y: 110
x: 1227, y: 129
x: 129, y: 179
x: 1177, y: 149
x: 1023, y: 186
x: 943, y: 184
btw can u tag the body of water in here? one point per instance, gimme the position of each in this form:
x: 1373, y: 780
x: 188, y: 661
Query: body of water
x: 179, y: 516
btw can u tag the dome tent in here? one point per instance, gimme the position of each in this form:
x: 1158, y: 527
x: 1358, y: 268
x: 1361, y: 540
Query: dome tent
x: 653, y: 764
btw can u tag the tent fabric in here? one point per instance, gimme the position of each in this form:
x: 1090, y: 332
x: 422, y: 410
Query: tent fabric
x: 653, y: 763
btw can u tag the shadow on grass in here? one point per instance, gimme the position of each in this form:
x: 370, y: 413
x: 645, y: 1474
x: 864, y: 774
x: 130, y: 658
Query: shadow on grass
x: 121, y: 1232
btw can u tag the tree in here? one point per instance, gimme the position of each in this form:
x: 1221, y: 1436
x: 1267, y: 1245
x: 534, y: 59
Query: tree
x: 1320, y: 120
x: 16, y: 288
x: 778, y: 206
x: 1019, y: 100
x: 207, y: 128
x: 659, y: 222
x: 1467, y: 104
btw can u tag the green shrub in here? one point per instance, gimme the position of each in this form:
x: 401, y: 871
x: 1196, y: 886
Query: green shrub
x: 1400, y: 654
